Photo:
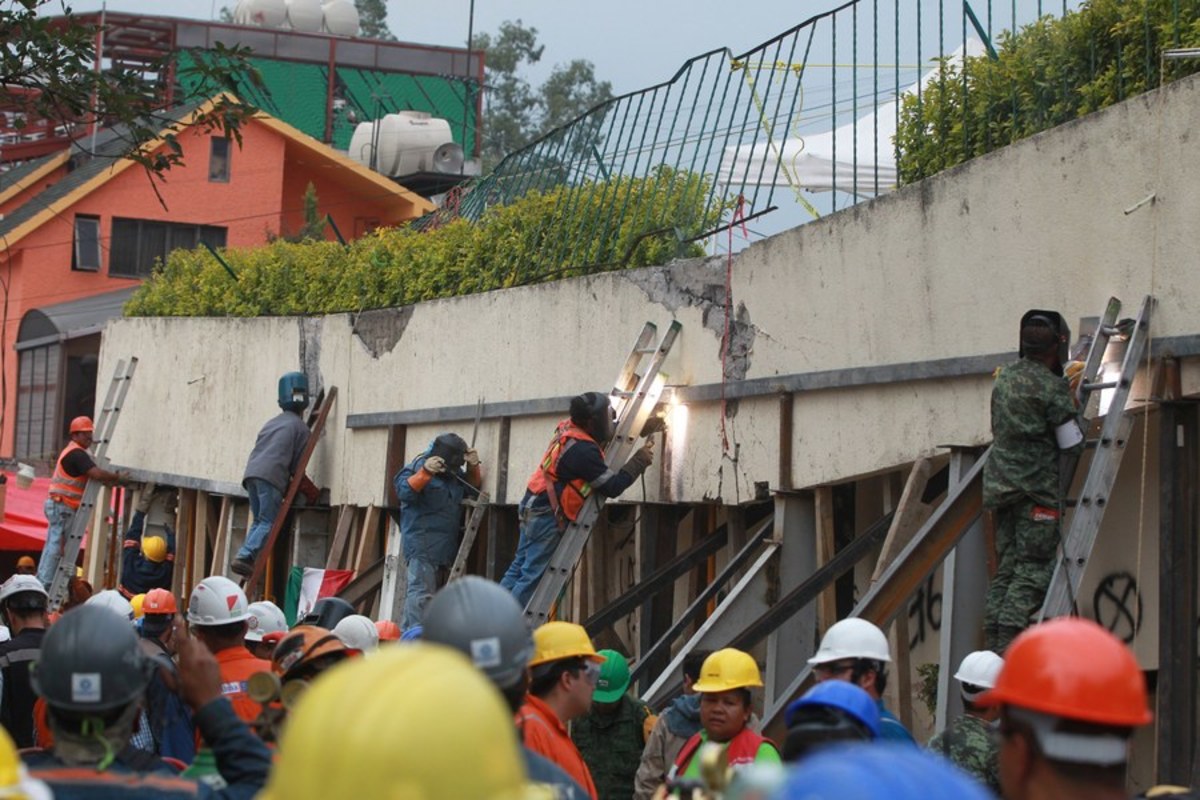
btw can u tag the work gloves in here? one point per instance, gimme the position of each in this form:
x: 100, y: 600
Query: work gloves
x: 472, y: 457
x: 639, y: 461
x: 435, y: 465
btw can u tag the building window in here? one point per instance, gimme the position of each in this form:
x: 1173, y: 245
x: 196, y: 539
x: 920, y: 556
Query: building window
x: 218, y: 159
x: 86, y: 255
x: 37, y: 402
x: 138, y: 244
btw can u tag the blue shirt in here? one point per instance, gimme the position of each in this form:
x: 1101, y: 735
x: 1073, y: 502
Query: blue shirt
x: 890, y: 728
x: 429, y: 519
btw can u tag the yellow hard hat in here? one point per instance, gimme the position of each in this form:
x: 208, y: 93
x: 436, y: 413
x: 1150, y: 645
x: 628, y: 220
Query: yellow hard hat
x: 728, y: 669
x: 396, y: 725
x: 555, y: 641
x: 154, y: 548
x: 137, y: 601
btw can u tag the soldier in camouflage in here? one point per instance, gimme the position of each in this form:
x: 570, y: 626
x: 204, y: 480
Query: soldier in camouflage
x: 1033, y: 421
x: 970, y: 741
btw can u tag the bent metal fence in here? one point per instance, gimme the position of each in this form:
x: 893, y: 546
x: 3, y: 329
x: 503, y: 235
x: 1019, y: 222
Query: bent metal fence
x: 806, y: 120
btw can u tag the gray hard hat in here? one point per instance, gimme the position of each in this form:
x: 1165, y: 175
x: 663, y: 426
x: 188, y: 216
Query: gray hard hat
x: 91, y: 662
x: 482, y: 620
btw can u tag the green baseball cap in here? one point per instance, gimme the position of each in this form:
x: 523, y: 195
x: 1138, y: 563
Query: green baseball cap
x: 614, y: 677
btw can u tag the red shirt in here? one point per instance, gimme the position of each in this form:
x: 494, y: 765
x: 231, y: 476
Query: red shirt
x: 237, y: 665
x: 545, y: 734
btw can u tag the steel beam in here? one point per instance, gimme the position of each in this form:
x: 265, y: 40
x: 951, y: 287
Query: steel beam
x: 796, y: 529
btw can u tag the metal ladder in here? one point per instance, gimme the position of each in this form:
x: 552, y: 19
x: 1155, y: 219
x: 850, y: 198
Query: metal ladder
x: 1089, y: 507
x: 634, y: 396
x: 478, y: 507
x: 104, y: 425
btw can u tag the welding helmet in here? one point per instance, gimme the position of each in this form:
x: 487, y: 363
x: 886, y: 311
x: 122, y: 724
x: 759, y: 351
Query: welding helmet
x: 451, y: 448
x: 1062, y: 336
x: 293, y: 391
x: 593, y: 412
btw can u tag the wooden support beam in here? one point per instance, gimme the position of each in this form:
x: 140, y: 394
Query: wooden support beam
x: 826, y: 549
x: 184, y: 514
x: 911, y: 514
x: 220, y: 560
x: 199, y: 543
x: 368, y: 543
x: 337, y: 548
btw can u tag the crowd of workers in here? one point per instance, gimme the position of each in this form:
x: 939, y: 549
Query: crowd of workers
x: 130, y: 692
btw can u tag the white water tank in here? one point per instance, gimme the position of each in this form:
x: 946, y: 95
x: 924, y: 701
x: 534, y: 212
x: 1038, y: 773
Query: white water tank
x: 265, y: 13
x: 407, y: 143
x: 341, y: 18
x: 305, y: 15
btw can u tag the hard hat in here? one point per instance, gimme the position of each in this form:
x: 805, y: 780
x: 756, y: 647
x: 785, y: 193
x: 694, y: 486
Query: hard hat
x: 23, y: 592
x: 265, y: 617
x: 293, y: 391
x: 413, y: 634
x: 978, y: 669
x: 852, y: 638
x: 14, y: 778
x: 449, y: 709
x: 388, y: 630
x: 306, y: 647
x: 614, y: 678
x: 357, y: 633
x: 159, y: 601
x: 844, y: 696
x: 557, y: 640
x: 216, y: 600
x: 328, y: 612
x: 111, y: 600
x: 484, y: 621
x: 154, y: 548
x: 728, y: 669
x: 1073, y: 669
x: 878, y: 771
x: 26, y: 561
x: 135, y: 603
x: 81, y: 425
x: 91, y: 662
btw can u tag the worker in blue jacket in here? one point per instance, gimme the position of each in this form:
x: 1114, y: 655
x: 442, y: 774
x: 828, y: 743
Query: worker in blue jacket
x: 147, y: 562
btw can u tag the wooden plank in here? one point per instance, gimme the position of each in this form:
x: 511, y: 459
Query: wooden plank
x: 368, y: 543
x: 337, y: 547
x: 911, y: 514
x: 826, y: 550
x: 183, y: 543
x: 221, y: 541
x: 202, y: 538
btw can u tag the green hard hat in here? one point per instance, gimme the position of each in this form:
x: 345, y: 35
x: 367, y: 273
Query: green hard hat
x: 614, y: 677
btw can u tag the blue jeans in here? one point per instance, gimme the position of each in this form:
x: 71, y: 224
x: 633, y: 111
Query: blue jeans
x: 539, y: 539
x: 59, y: 516
x: 265, y: 501
x: 421, y: 583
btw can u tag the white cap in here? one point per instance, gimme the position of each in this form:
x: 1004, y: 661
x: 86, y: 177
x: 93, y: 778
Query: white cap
x: 357, y: 633
x: 217, y: 601
x: 852, y: 638
x: 265, y: 617
x: 979, y: 669
x: 113, y: 601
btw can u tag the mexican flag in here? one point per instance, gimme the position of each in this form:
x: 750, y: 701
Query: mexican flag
x: 307, y: 585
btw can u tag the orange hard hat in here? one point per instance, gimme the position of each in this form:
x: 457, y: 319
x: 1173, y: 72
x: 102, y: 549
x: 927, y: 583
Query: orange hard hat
x: 1073, y: 669
x: 159, y: 601
x: 306, y: 648
x: 26, y: 561
x: 82, y: 425
x: 388, y: 630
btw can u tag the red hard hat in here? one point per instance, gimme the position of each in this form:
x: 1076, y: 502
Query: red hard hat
x: 388, y: 630
x: 1073, y: 669
x: 159, y: 601
x: 82, y: 425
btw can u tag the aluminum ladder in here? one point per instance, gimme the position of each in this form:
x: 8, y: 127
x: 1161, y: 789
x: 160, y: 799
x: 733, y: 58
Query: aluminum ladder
x: 478, y: 507
x: 634, y: 397
x: 110, y: 411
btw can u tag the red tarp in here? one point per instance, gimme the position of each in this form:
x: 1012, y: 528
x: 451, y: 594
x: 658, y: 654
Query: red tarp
x: 24, y: 525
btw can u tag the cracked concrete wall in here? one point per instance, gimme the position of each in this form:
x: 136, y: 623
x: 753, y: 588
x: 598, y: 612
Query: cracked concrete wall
x: 940, y: 270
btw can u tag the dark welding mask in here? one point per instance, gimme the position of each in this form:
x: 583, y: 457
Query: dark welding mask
x: 1061, y: 342
x: 293, y: 391
x: 452, y: 449
x: 593, y: 412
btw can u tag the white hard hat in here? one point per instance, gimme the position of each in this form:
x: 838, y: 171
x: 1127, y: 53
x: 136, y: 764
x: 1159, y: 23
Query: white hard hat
x: 979, y: 669
x: 113, y: 601
x: 852, y: 638
x: 21, y: 583
x: 265, y: 617
x: 217, y: 601
x: 357, y: 633
x: 5, y: 633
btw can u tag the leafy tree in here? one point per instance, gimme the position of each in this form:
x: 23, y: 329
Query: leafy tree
x: 372, y: 20
x: 225, y: 14
x: 515, y: 112
x: 47, y: 71
x: 314, y: 224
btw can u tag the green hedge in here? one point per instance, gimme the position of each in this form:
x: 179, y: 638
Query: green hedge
x: 510, y: 245
x: 1048, y: 73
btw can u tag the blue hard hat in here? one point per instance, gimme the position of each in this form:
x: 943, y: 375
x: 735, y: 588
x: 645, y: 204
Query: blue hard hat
x: 842, y: 695
x: 412, y: 634
x: 878, y: 771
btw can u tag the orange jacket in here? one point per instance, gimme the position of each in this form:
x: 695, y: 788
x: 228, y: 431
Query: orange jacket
x: 545, y: 477
x: 63, y: 487
x: 545, y: 734
x: 237, y: 665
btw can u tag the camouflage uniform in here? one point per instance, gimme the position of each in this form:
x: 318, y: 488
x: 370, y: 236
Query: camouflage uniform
x: 611, y: 744
x: 969, y: 743
x: 1021, y: 483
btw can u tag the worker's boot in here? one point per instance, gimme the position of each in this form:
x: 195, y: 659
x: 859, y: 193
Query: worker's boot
x: 241, y: 566
x: 146, y: 497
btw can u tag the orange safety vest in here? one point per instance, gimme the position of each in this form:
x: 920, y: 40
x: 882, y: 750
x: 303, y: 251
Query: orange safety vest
x: 545, y: 477
x: 63, y: 487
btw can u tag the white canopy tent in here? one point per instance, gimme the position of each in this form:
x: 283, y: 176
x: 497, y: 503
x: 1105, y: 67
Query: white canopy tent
x: 864, y: 150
